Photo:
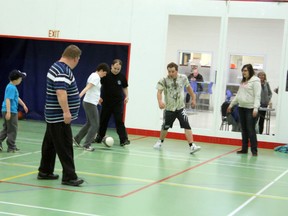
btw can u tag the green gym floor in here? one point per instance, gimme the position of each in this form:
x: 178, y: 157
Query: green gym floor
x: 139, y: 181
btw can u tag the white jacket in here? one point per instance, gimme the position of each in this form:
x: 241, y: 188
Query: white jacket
x: 249, y: 94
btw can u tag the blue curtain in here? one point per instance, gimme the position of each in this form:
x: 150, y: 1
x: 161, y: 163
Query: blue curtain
x: 35, y: 56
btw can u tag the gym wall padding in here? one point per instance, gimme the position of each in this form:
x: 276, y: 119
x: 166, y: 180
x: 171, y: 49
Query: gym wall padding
x: 35, y: 55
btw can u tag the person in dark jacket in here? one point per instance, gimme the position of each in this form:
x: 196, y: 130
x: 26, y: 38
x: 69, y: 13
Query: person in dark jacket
x: 114, y: 95
x: 266, y: 95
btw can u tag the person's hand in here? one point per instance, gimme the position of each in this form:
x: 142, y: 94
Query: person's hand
x: 126, y: 100
x: 67, y: 117
x: 255, y: 113
x: 161, y: 105
x: 100, y: 101
x: 229, y: 110
x: 25, y: 109
x: 8, y: 116
x: 193, y: 103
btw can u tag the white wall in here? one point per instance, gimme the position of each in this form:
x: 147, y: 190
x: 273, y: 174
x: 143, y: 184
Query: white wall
x: 144, y: 24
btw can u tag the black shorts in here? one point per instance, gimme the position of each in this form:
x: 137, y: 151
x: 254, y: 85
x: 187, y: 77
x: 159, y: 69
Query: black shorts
x: 170, y: 116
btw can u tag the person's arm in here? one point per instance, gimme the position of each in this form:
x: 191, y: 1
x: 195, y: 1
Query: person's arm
x: 87, y: 87
x: 269, y: 95
x: 233, y: 103
x: 257, y: 92
x: 269, y: 91
x: 63, y: 101
x: 21, y: 102
x: 8, y: 109
x: 125, y: 91
x: 192, y: 94
x: 159, y: 98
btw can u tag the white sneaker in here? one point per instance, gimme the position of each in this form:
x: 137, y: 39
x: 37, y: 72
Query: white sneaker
x: 75, y: 143
x: 90, y: 148
x: 194, y: 148
x: 157, y: 145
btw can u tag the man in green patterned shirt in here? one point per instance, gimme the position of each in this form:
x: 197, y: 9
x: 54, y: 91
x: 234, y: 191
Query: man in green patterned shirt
x: 173, y: 87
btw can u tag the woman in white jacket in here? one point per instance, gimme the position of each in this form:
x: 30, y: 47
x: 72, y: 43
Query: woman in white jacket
x: 248, y: 100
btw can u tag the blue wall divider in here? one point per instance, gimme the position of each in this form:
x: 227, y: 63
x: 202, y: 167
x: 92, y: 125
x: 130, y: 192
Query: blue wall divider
x: 35, y: 55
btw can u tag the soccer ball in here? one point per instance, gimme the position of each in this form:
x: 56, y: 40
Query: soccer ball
x: 20, y: 115
x: 108, y: 141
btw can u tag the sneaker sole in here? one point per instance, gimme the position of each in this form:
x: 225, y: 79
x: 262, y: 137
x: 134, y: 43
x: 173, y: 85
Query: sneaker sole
x: 196, y: 150
x: 72, y: 184
x: 77, y: 146
x: 91, y: 150
x: 47, y: 178
x: 13, y: 151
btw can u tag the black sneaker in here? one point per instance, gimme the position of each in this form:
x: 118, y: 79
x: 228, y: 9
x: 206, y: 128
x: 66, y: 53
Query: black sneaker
x: 126, y: 142
x: 46, y: 176
x: 242, y: 152
x: 12, y: 150
x: 98, y: 139
x: 75, y: 182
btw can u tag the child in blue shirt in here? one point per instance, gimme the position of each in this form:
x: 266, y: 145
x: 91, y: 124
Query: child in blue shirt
x: 10, y: 111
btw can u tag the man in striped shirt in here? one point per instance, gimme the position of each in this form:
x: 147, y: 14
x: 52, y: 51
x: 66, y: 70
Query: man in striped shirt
x: 62, y: 106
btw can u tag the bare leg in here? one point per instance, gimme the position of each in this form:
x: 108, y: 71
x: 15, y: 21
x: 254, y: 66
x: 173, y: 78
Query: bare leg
x: 189, y: 135
x: 163, y: 134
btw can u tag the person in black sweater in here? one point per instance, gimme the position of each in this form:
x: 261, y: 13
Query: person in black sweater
x: 195, y: 76
x: 114, y: 95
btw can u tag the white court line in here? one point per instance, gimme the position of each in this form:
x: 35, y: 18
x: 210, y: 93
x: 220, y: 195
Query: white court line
x: 49, y: 209
x: 16, y: 155
x: 257, y: 194
x: 6, y: 213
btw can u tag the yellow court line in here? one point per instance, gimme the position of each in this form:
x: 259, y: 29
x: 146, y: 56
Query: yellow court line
x: 151, y: 181
x: 19, y: 176
x: 187, y: 186
x: 226, y: 191
x: 18, y: 165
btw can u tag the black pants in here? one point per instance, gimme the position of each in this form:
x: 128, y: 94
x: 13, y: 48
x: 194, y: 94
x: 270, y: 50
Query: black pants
x: 117, y: 110
x: 58, y: 140
x: 248, y: 123
x: 262, y: 115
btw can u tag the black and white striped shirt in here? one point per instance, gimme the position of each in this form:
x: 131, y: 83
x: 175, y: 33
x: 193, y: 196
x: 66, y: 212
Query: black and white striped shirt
x: 61, y: 77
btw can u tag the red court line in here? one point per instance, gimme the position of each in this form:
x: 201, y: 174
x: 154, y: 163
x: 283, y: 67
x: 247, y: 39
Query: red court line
x: 61, y: 189
x: 138, y: 138
x: 176, y: 174
x: 130, y: 193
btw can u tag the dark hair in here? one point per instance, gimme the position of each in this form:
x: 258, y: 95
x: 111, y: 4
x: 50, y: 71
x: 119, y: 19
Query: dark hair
x: 103, y: 66
x: 171, y: 65
x: 16, y: 74
x: 117, y: 61
x: 72, y: 51
x: 250, y: 70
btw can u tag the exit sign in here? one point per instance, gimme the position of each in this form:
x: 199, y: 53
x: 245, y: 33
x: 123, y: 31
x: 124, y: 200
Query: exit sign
x: 53, y: 33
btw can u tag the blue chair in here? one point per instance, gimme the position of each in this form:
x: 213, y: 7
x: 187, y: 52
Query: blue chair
x: 210, y: 85
x: 228, y: 95
x: 207, y: 90
x: 193, y: 84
